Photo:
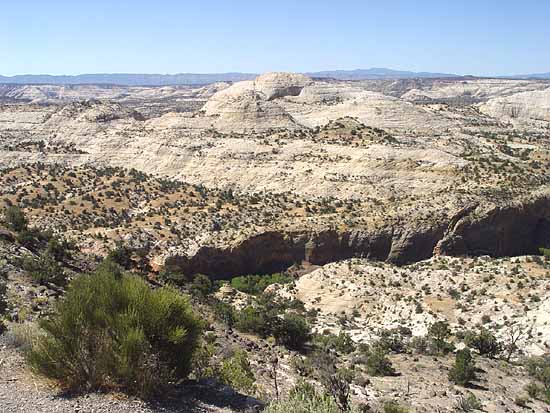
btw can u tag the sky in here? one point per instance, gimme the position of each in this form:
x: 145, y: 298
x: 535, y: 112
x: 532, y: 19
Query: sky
x: 483, y: 37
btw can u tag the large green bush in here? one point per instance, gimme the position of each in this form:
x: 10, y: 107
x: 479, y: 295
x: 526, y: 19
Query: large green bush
x: 113, y: 331
x: 341, y: 342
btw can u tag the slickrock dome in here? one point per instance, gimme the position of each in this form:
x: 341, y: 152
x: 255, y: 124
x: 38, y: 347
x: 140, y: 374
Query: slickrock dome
x: 275, y: 85
x: 250, y: 104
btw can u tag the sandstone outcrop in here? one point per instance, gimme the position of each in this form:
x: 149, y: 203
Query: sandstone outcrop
x: 248, y: 104
x: 517, y: 229
x: 275, y: 85
x: 530, y: 105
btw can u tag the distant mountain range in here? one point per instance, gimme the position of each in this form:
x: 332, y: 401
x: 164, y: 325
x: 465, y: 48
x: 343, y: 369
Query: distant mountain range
x: 531, y: 76
x: 130, y: 79
x: 376, y: 73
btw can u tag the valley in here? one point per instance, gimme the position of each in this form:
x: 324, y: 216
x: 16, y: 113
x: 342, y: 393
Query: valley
x: 385, y: 207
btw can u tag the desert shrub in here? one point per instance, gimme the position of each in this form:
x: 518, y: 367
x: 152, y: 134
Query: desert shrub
x: 392, y: 406
x: 392, y: 339
x: 44, y: 269
x: 236, y: 372
x: 463, y: 370
x: 539, y: 369
x: 172, y: 276
x: 419, y: 345
x: 3, y: 288
x: 268, y: 317
x: 521, y: 401
x: 533, y: 390
x: 484, y: 342
x: 223, y: 311
x: 304, y: 399
x: 15, y: 218
x: 113, y: 330
x: 342, y: 342
x: 32, y: 238
x: 468, y: 403
x: 256, y: 284
x: 252, y: 319
x: 201, y: 285
x: 22, y: 336
x: 3, y: 305
x: 439, y: 332
x: 202, y: 358
x: 377, y: 361
x: 292, y: 331
x: 121, y: 255
x: 302, y: 366
x: 335, y: 381
x: 58, y: 248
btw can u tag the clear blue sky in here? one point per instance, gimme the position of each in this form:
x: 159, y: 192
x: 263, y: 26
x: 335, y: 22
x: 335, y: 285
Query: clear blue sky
x: 169, y: 36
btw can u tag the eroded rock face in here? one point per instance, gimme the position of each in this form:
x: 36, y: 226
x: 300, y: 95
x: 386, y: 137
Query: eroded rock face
x: 275, y: 85
x: 499, y: 231
x: 241, y: 107
x: 274, y: 251
x: 533, y: 105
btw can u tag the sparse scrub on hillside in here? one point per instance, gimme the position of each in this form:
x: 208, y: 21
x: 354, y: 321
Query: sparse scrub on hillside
x: 304, y: 399
x: 342, y: 342
x: 44, y: 269
x: 236, y: 372
x: 377, y: 361
x: 468, y: 403
x: 439, y: 332
x: 324, y: 366
x: 292, y: 331
x: 539, y: 369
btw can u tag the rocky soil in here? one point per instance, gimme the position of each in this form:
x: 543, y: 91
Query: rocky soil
x: 21, y: 391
